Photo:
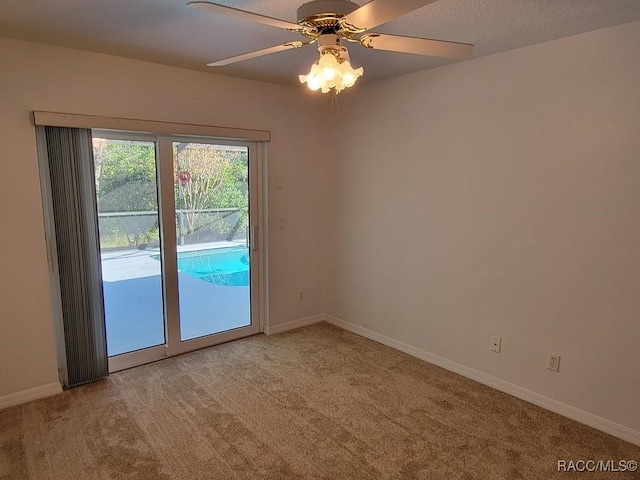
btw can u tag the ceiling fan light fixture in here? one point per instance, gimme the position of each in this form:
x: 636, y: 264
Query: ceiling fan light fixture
x: 332, y: 71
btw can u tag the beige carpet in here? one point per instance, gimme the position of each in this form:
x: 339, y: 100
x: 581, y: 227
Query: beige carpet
x: 317, y: 403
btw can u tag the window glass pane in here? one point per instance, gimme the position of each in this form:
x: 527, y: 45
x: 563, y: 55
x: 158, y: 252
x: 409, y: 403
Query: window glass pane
x: 212, y: 222
x: 128, y: 222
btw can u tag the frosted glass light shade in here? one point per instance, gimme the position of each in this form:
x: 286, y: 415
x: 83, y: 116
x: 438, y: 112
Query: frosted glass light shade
x: 329, y: 65
x: 332, y: 71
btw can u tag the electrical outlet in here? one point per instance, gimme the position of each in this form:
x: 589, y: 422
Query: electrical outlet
x: 496, y: 343
x: 301, y: 295
x: 553, y: 362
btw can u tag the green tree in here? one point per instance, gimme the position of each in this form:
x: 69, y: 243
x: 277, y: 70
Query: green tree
x: 126, y: 182
x: 218, y: 179
x: 125, y: 176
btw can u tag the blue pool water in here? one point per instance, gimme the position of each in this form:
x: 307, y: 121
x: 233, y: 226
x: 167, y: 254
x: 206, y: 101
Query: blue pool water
x: 227, y: 266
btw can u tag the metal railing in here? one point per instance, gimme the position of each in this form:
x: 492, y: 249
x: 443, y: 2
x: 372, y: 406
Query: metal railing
x: 224, y: 223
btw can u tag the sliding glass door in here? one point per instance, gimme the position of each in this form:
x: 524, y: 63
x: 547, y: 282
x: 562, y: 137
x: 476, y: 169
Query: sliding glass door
x: 180, y: 268
x: 128, y: 224
x: 212, y: 217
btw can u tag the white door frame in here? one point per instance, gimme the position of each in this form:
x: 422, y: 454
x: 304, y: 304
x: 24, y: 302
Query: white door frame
x: 166, y: 205
x: 175, y: 345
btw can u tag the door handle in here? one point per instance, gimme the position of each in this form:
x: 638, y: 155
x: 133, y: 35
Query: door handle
x: 254, y: 238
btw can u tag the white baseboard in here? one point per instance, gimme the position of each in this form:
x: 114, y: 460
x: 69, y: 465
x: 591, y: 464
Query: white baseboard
x: 586, y: 418
x: 30, y: 394
x: 293, y: 324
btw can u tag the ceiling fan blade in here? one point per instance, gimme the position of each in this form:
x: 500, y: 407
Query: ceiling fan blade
x: 377, y: 12
x: 417, y: 46
x: 244, y: 15
x: 257, y: 53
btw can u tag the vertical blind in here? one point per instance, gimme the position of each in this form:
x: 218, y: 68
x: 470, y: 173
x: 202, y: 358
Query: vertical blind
x: 68, y: 153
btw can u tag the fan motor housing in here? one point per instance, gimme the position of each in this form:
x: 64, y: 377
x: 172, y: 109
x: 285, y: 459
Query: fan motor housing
x: 324, y: 9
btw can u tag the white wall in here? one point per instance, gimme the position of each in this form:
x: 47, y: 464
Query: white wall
x: 39, y: 77
x: 501, y: 196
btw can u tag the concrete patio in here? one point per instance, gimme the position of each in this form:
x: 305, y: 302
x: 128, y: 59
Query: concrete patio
x: 134, y: 307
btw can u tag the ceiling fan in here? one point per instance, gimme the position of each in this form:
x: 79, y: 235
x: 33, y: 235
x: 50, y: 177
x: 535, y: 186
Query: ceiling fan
x: 331, y: 22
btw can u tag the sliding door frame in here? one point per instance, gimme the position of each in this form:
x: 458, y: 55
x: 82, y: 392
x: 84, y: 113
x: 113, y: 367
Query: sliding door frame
x: 155, y: 352
x: 176, y: 345
x: 165, y: 134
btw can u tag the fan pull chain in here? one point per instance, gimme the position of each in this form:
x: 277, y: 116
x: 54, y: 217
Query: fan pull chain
x: 334, y: 100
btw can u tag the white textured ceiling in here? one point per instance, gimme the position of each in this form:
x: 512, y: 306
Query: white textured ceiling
x: 168, y: 32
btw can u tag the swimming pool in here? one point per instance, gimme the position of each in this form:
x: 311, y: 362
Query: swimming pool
x: 228, y: 266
